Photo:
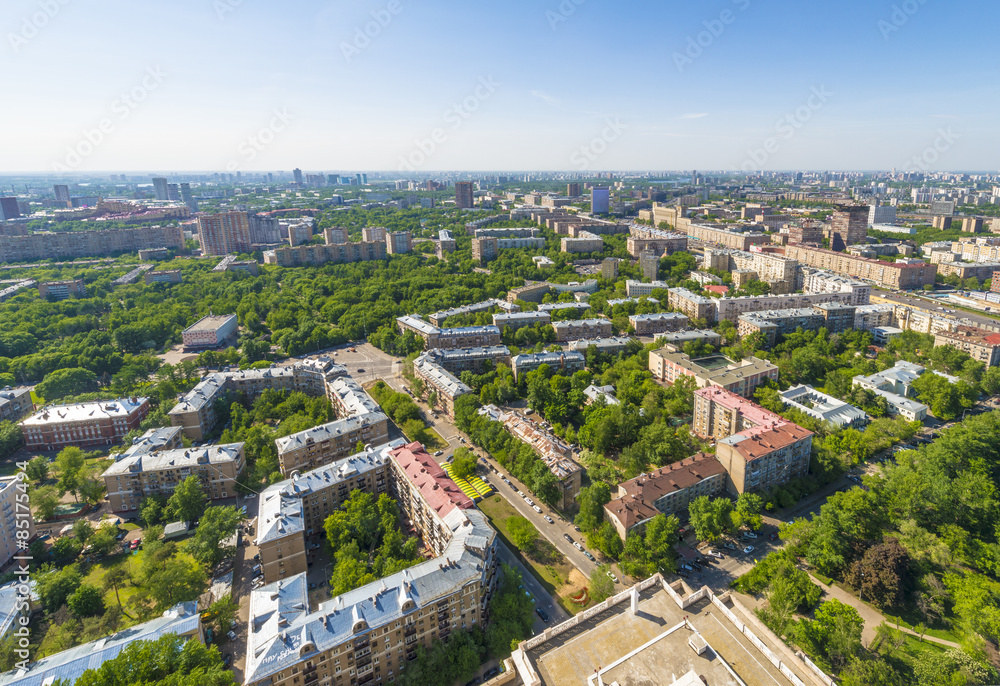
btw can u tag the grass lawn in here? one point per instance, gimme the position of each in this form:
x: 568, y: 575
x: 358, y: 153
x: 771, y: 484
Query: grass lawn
x: 549, y: 566
x: 944, y: 634
x: 434, y: 442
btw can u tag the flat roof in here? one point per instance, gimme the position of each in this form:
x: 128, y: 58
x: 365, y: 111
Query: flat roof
x: 83, y: 412
x: 211, y: 322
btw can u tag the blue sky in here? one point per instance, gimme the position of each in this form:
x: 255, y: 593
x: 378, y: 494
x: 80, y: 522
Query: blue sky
x: 519, y: 85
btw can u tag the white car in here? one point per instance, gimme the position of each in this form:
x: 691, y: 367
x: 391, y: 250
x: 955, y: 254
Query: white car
x: 749, y: 534
x: 749, y: 549
x: 549, y: 519
x: 529, y: 500
x: 716, y: 554
x: 536, y: 509
x: 611, y: 575
x: 576, y: 544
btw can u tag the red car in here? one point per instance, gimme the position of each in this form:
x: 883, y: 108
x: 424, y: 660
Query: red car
x: 135, y: 544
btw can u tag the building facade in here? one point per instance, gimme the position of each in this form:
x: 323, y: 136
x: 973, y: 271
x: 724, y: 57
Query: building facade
x: 225, y: 233
x: 211, y: 331
x: 83, y: 425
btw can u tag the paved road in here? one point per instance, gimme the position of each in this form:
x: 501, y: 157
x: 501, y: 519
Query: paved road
x: 543, y: 600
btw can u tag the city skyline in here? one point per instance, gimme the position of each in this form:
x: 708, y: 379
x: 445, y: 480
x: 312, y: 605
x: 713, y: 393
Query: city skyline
x: 571, y: 85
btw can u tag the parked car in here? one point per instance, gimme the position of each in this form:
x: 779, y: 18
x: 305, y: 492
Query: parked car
x: 549, y: 519
x: 490, y: 673
x: 231, y: 635
x: 611, y: 575
x: 773, y: 536
x: 529, y: 500
x: 576, y: 544
x: 730, y: 546
x: 541, y: 613
x: 687, y: 568
x: 536, y: 509
x: 439, y: 453
x: 716, y: 554
x: 568, y: 537
x: 513, y: 487
x: 749, y: 549
x: 589, y: 556
x: 749, y: 534
x: 521, y: 493
x: 360, y: 370
x: 227, y: 660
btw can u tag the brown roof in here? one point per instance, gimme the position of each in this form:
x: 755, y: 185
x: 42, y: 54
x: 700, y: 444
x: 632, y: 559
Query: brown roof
x: 761, y: 441
x: 640, y: 493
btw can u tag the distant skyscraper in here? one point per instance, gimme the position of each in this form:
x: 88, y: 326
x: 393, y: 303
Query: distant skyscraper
x: 9, y: 208
x: 160, y: 188
x: 188, y: 197
x: 357, y: 178
x: 573, y: 190
x: 364, y: 179
x: 600, y: 199
x: 463, y: 194
x: 224, y: 234
x: 297, y: 173
x: 881, y: 214
x: 173, y: 191
x: 62, y: 193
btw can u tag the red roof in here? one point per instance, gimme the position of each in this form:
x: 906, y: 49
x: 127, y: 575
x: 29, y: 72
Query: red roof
x: 436, y: 487
x: 717, y: 288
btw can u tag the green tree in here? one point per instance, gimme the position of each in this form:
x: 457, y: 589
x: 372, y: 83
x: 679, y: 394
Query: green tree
x: 592, y: 500
x: 178, y: 579
x: 217, y: 525
x: 44, y: 500
x: 104, y: 539
x: 70, y: 464
x: 115, y: 579
x: 523, y: 533
x: 711, y: 518
x: 187, y: 504
x: 601, y: 585
x: 54, y: 586
x: 464, y: 463
x: 63, y: 382
x: 747, y: 512
x: 171, y: 660
x: 86, y: 601
x: 37, y: 469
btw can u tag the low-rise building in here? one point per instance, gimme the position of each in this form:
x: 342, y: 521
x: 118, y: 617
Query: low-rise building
x: 594, y: 394
x: 565, y: 363
x: 532, y: 292
x: 741, y: 378
x: 667, y: 490
x: 555, y: 307
x: 693, y: 305
x: 982, y: 345
x: 438, y: 318
x: 211, y: 331
x: 637, y: 289
x: 881, y: 335
x: 553, y: 451
x: 458, y: 337
x: 774, y: 323
x: 894, y: 384
x: 168, y: 276
x: 84, y: 425
x: 158, y: 472
x: 585, y: 241
x: 659, y: 322
x: 824, y: 407
x: 61, y: 290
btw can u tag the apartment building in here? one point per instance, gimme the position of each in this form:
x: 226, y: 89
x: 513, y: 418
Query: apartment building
x: 158, y: 472
x: 722, y: 236
x: 659, y: 322
x: 732, y: 308
x: 13, y: 529
x: 837, y: 317
x: 555, y: 307
x: 904, y: 274
x: 15, y: 404
x: 370, y: 633
x: 438, y: 379
x: 517, y: 320
x: 445, y: 244
x: 398, y: 242
x: 224, y: 233
x: 982, y: 345
x: 667, y: 490
x: 638, y: 289
x: 823, y: 407
x: 741, y: 378
x: 532, y: 292
x: 438, y: 318
x: 84, y: 425
x: 294, y: 509
x: 195, y: 412
x: 458, y: 360
x: 674, y: 342
x: 315, y: 255
x: 373, y: 234
x: 642, y: 239
x: 584, y: 241
x: 62, y: 290
x: 868, y: 317
x: 565, y: 363
x: 848, y: 226
x: 43, y: 245
x: 693, y: 305
x: 758, y: 449
x: 168, y: 276
x: 774, y: 323
x: 329, y: 442
x: 459, y: 337
x: 571, y: 330
x: 612, y: 345
x: 183, y: 620
x: 211, y: 331
x: 554, y: 452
